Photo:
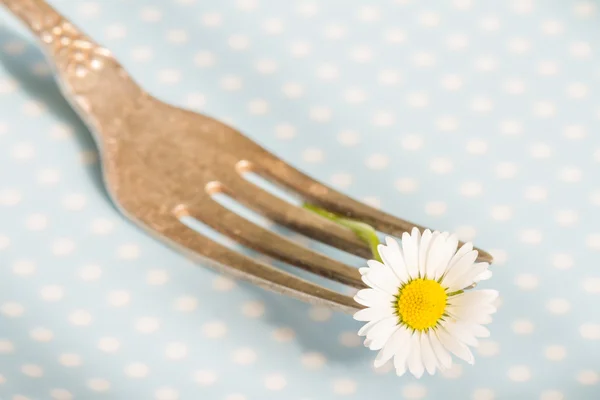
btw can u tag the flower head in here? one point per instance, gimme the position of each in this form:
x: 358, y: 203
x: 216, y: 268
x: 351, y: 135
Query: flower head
x: 417, y: 310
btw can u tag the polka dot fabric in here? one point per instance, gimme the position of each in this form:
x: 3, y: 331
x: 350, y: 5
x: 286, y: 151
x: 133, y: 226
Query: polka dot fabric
x: 475, y: 117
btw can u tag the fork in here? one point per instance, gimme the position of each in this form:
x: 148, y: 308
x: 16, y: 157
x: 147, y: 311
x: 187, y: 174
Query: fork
x: 162, y: 163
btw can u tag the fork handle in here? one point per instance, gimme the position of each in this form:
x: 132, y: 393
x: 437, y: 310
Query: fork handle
x: 90, y: 78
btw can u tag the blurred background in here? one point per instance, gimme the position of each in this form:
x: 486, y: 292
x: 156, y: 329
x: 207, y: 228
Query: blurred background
x: 476, y: 117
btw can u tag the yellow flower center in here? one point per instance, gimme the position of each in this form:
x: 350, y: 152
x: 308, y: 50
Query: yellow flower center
x: 421, y: 303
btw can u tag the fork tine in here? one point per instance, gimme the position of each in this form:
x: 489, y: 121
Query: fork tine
x: 293, y: 217
x: 283, y: 174
x: 263, y: 240
x: 258, y: 273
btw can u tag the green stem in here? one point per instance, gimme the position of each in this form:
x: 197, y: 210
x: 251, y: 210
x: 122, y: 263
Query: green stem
x: 362, y: 230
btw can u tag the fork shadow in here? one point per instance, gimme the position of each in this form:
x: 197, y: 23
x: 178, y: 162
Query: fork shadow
x: 43, y: 87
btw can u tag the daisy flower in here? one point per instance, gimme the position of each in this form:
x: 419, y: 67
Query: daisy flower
x: 417, y: 310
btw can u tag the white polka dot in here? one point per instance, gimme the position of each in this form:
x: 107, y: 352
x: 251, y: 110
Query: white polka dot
x: 150, y: 14
x: 527, y: 281
x: 313, y: 360
x: 441, y: 165
x: 36, y: 222
x: 141, y: 53
x: 63, y: 246
x: 284, y: 334
x: 334, y: 31
x: 540, y: 150
x: 136, y: 370
x: 300, y: 49
x: 22, y: 151
x: 428, y: 19
x: 320, y: 114
x: 115, y: 32
x: 177, y: 36
x: 483, y: 394
x: 6, y: 346
x: 519, y: 373
x: 157, y: 277
x: 414, y: 391
x: 471, y: 189
x: 552, y: 27
x: 258, y: 107
x: 552, y: 395
x: 566, y: 218
x: 166, y: 393
x: 341, y: 180
x: 590, y: 331
x: 214, y: 329
x: 361, y: 54
x: 238, y: 42
x: 383, y: 118
x: 500, y: 256
x: 395, y: 36
x: 99, y: 385
x: 506, y: 170
x: 61, y: 394
x: 377, y: 161
x: 369, y: 14
x: 501, y: 213
x: 588, y: 377
x: 581, y: 49
x: 435, y: 208
x: 41, y: 334
x: 350, y: 339
x: 423, y: 59
x: 275, y: 382
x: 558, y: 306
x: 389, y: 77
x: 32, y: 370
x: 20, y: 397
x: 454, y: 372
x: 348, y: 138
x: 223, y: 284
x: 452, y: 82
x: 147, y: 324
x: 205, y: 377
x: 176, y: 351
x: 536, y: 193
x: 10, y: 197
x: 511, y: 127
x: 70, y: 360
x: 266, y: 66
x: 522, y: 327
x: 109, y: 344
x: 244, y: 356
x: 235, y: 396
x: 204, y: 59
x: 591, y: 285
x: 90, y: 272
x: 547, y: 68
x: 562, y: 261
x: 52, y: 293
x: 186, y: 303
x: 486, y: 64
x: 570, y: 174
x: 482, y: 104
x: 23, y: 267
x: 355, y: 95
x: 8, y: 85
x: 292, y: 90
x: 118, y: 298
x: 577, y: 90
x: 12, y: 309
x: 406, y: 185
x: 253, y: 309
x: 319, y: 314
x: 313, y: 155
x: 544, y: 109
x: 33, y: 108
x: 465, y: 233
x: 555, y: 352
x: 80, y: 318
x: 477, y: 146
x: 417, y: 100
x: 344, y: 386
x: 488, y: 348
x: 372, y: 201
x: 593, y: 241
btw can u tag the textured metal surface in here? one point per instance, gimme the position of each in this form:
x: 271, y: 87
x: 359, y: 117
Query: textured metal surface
x: 162, y: 162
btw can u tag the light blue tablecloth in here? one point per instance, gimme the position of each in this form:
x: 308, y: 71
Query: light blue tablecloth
x: 480, y: 117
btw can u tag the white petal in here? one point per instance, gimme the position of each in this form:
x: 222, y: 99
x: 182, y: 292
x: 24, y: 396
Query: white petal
x: 435, y: 255
x: 460, y: 332
x: 485, y: 296
x: 410, y: 250
x: 366, y: 327
x: 371, y: 281
x: 487, y: 274
x: 392, y: 346
x: 415, y: 362
x: 392, y: 257
x: 450, y: 251
x: 468, y: 277
x: 382, y: 332
x: 363, y: 270
x: 372, y: 314
x: 373, y: 298
x: 454, y: 346
x: 429, y: 359
x: 383, y: 276
x: 401, y: 356
x: 444, y: 358
x: 459, y: 269
x: 465, y: 248
x: 479, y: 331
x: 426, y: 240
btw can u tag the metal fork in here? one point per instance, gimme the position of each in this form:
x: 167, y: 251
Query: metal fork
x: 161, y: 163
